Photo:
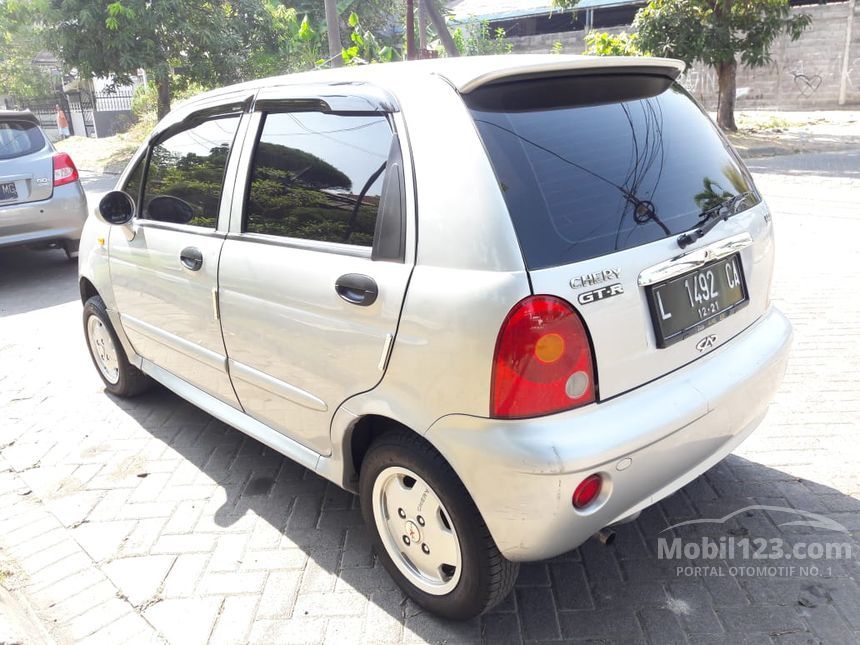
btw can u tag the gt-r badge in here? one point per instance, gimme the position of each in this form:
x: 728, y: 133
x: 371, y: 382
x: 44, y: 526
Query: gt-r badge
x: 706, y: 343
x: 600, y: 294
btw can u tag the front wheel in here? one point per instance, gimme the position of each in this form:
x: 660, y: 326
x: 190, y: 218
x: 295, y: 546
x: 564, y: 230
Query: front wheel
x: 119, y: 376
x: 427, y: 531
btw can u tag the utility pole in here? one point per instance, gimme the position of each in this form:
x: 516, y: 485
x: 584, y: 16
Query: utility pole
x: 410, y: 30
x: 333, y: 28
x: 422, y: 27
x: 846, y: 55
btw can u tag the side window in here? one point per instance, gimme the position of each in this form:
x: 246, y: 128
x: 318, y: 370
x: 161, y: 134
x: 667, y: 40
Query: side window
x: 186, y: 174
x: 318, y: 176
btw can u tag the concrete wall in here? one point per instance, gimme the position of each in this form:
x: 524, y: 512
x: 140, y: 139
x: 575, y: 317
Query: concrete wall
x: 806, y: 74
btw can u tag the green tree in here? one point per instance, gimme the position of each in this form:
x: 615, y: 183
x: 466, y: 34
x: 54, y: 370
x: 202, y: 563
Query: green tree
x: 210, y: 42
x: 600, y: 43
x: 718, y: 33
x: 20, y: 42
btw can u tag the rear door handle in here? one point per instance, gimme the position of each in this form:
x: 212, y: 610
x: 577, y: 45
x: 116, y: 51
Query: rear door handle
x: 357, y: 289
x: 191, y: 258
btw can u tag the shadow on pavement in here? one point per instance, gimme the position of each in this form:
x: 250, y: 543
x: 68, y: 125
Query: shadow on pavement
x: 31, y: 280
x: 623, y: 592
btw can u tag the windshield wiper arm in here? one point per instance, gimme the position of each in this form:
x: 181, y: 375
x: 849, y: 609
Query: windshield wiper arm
x: 713, y: 216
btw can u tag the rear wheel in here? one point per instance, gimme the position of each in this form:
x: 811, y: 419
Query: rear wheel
x: 427, y: 531
x: 119, y: 376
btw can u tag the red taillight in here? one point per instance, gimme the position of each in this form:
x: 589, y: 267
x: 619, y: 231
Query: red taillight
x: 64, y: 169
x: 587, y: 491
x: 543, y: 361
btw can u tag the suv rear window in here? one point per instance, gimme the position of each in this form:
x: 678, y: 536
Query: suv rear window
x: 597, y: 164
x: 19, y: 138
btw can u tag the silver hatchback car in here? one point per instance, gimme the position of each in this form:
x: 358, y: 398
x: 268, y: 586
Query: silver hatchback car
x: 41, y: 199
x: 509, y: 301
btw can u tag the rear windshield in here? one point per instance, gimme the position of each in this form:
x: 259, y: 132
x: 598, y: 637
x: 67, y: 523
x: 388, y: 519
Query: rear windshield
x: 19, y: 138
x: 593, y: 165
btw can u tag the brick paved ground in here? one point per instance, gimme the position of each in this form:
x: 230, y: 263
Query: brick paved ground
x: 148, y: 521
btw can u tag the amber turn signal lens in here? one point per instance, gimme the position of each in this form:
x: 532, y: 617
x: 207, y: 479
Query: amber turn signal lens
x: 549, y: 348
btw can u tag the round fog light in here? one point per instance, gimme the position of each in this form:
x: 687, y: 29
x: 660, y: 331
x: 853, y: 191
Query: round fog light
x: 587, y: 491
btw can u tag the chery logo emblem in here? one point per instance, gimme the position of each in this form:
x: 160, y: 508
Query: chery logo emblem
x: 706, y: 343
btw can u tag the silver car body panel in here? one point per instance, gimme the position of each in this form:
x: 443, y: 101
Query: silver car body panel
x: 673, y: 412
x: 646, y: 444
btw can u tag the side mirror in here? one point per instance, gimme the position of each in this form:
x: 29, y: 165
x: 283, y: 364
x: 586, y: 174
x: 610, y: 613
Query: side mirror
x: 116, y: 207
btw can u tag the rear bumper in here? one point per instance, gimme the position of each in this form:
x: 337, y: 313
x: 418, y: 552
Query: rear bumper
x: 646, y: 443
x: 59, y: 218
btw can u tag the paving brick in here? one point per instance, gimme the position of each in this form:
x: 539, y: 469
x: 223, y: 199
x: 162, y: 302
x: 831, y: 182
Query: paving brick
x: 279, y: 594
x: 231, y: 582
x: 139, y: 578
x: 186, y: 571
x: 186, y: 622
x: 96, y: 618
x: 190, y: 543
x: 130, y: 629
x: 235, y: 620
x: 537, y: 613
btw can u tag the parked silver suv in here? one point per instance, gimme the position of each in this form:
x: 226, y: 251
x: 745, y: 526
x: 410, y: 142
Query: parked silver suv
x: 509, y: 301
x: 41, y: 199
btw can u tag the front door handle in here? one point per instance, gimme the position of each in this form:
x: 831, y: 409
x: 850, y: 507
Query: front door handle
x: 357, y: 289
x: 191, y: 258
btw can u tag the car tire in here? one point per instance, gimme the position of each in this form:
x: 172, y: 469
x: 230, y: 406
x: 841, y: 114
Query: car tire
x: 120, y: 377
x: 436, y: 511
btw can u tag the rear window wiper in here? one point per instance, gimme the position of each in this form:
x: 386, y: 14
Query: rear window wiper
x: 712, y: 216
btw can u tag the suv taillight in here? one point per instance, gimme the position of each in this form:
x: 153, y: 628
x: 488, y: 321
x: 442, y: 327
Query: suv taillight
x: 543, y: 361
x: 64, y: 169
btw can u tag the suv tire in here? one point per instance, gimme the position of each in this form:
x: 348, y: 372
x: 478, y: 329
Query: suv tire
x: 120, y: 377
x: 438, y: 513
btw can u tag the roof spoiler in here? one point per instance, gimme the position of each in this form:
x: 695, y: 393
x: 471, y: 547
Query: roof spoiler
x: 20, y: 115
x: 570, y: 66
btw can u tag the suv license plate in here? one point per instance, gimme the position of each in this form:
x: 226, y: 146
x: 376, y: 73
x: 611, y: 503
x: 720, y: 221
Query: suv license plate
x: 8, y: 191
x: 689, y: 303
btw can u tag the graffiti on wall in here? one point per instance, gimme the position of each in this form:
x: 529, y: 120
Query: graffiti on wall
x: 700, y: 80
x: 806, y: 84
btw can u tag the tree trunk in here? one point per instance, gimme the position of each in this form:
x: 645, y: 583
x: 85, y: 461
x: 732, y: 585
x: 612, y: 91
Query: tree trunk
x: 162, y: 84
x: 441, y: 28
x: 334, y: 45
x: 422, y: 27
x: 727, y: 83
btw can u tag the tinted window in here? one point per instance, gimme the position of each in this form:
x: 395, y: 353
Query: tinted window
x: 19, y: 138
x: 582, y: 181
x: 318, y: 176
x: 186, y: 174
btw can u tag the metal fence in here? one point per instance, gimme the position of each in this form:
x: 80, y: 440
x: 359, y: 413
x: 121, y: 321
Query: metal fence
x: 117, y: 99
x: 109, y: 109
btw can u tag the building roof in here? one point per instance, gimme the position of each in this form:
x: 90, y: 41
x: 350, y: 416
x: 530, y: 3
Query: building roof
x: 494, y: 10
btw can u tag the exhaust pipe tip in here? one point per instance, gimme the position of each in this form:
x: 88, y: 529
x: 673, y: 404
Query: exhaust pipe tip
x: 605, y: 536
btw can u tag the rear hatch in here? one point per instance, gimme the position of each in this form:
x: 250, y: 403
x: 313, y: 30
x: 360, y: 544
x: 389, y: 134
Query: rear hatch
x: 26, y: 165
x: 603, y: 171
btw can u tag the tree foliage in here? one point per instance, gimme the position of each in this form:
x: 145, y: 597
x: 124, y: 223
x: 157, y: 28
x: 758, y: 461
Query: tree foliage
x: 20, y: 42
x: 476, y: 39
x: 600, y: 43
x: 714, y: 31
x: 210, y: 42
x: 718, y: 33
